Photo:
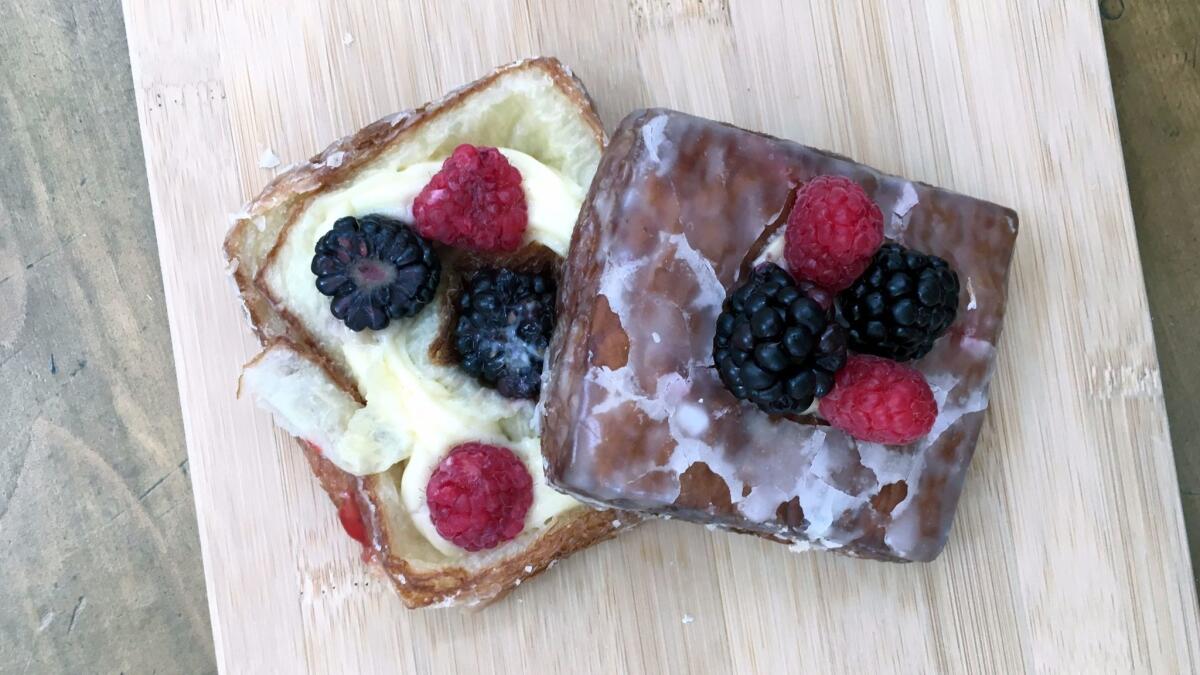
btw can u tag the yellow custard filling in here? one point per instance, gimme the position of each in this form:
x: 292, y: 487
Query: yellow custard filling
x: 418, y: 410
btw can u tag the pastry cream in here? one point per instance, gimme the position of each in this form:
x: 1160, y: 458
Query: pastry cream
x: 418, y: 410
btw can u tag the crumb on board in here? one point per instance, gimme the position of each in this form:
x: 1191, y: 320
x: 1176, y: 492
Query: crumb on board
x: 268, y: 159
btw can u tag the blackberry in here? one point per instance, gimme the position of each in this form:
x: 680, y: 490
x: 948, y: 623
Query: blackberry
x: 900, y: 305
x: 376, y: 269
x: 775, y: 346
x: 504, y: 325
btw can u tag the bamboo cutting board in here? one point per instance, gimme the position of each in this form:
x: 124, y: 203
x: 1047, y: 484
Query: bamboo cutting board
x: 1068, y: 553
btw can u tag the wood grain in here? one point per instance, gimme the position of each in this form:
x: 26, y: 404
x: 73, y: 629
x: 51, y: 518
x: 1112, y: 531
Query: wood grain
x: 1069, y: 552
x: 1154, y: 51
x: 99, y: 556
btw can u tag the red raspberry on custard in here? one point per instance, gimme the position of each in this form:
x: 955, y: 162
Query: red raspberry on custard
x: 880, y: 401
x: 478, y: 496
x: 475, y: 202
x: 832, y: 232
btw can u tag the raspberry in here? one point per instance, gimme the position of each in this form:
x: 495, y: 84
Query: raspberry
x: 832, y: 232
x: 478, y: 496
x: 880, y: 401
x: 474, y: 202
x: 352, y: 521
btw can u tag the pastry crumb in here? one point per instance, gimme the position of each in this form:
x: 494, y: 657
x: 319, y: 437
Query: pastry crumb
x: 268, y: 159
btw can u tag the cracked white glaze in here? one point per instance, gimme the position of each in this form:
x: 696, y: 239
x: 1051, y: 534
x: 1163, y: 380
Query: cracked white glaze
x: 636, y: 417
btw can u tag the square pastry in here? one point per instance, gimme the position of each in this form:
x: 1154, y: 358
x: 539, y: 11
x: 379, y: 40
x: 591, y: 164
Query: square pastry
x: 682, y: 213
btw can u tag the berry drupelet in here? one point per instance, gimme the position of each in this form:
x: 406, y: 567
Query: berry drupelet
x: 375, y: 269
x: 832, y: 232
x: 475, y: 202
x: 880, y: 401
x: 478, y: 496
x: 775, y: 346
x: 901, y: 304
x: 504, y: 326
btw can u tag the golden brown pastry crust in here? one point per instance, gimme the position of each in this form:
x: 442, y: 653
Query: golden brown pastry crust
x: 252, y: 244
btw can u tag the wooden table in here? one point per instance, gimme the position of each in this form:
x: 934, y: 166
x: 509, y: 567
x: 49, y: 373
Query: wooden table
x: 99, y: 561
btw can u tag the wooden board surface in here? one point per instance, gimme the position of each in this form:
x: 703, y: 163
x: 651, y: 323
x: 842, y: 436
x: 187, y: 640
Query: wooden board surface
x: 1068, y: 553
x: 1154, y: 55
x: 98, y: 545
